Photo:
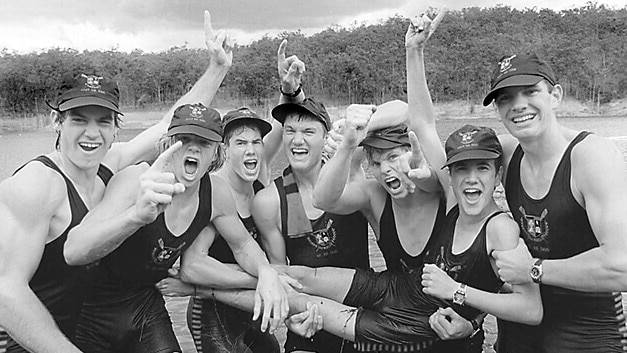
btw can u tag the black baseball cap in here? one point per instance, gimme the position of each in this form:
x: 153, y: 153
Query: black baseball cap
x: 308, y: 106
x: 386, y: 138
x: 519, y: 70
x: 87, y: 89
x: 472, y: 142
x: 245, y: 114
x: 198, y: 120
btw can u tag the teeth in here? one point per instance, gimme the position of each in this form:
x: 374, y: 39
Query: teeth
x: 250, y: 164
x: 523, y: 118
x: 89, y: 145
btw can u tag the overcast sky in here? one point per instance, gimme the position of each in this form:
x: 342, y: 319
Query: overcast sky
x: 157, y: 25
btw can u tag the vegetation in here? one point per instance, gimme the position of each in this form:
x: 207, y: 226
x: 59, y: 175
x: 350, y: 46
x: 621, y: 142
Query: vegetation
x: 364, y: 63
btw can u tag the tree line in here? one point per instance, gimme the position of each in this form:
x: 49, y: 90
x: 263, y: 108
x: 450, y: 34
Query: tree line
x: 360, y: 64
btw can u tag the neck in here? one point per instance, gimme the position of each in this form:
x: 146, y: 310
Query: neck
x: 544, y: 146
x: 478, y: 219
x: 236, y: 183
x: 82, y: 178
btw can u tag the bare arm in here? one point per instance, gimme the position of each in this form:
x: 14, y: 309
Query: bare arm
x: 133, y: 198
x: 267, y: 217
x: 600, y: 177
x: 522, y: 305
x: 143, y: 146
x: 28, y: 203
x: 199, y: 268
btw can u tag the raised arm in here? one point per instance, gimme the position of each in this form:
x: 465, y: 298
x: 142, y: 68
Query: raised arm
x: 133, y: 198
x: 270, y: 292
x: 143, y: 146
x: 421, y: 113
x: 28, y: 203
x: 522, y: 305
x: 334, y: 191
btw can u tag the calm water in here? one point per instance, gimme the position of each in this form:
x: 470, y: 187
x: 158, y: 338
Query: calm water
x: 17, y: 148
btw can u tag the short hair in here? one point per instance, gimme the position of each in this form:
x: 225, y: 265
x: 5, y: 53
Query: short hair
x: 498, y: 163
x: 302, y: 116
x: 237, y: 127
x: 220, y: 156
x: 371, y: 151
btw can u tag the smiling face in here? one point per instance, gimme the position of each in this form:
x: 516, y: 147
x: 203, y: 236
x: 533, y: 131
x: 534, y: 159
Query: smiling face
x: 86, y: 134
x: 303, y: 139
x: 382, y: 164
x: 244, y: 152
x: 527, y: 110
x: 193, y: 159
x: 473, y: 182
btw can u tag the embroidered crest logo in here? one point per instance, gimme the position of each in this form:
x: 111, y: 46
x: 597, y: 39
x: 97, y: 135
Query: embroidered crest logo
x: 197, y: 110
x: 535, y: 228
x: 506, y: 63
x: 93, y: 81
x: 164, y: 253
x: 467, y: 137
x: 323, y: 239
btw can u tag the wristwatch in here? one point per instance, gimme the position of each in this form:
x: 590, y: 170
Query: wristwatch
x: 536, y: 271
x: 293, y: 94
x: 459, y: 297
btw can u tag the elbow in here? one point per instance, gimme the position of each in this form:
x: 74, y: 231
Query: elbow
x: 190, y: 273
x: 534, y: 317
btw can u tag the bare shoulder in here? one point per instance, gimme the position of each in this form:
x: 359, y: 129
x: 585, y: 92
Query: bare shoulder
x: 596, y: 150
x: 34, y: 188
x: 502, y: 232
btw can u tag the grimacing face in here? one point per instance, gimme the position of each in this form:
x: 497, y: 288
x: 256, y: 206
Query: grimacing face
x: 383, y: 164
x: 244, y: 152
x: 303, y: 140
x: 190, y: 162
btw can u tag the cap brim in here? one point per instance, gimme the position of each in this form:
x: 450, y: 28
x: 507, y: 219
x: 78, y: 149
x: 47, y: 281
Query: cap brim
x: 470, y: 155
x: 196, y: 131
x: 517, y: 80
x: 264, y: 126
x: 283, y: 110
x: 85, y: 101
x: 383, y: 144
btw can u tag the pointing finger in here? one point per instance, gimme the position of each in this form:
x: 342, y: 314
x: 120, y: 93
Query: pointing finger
x: 163, y: 158
x: 209, y: 35
x: 281, y: 52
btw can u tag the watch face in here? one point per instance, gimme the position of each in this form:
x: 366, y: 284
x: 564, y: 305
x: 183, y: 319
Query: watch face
x: 535, y: 272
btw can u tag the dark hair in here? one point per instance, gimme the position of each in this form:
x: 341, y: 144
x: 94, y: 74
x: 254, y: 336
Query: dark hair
x: 60, y: 116
x: 303, y: 116
x: 238, y: 126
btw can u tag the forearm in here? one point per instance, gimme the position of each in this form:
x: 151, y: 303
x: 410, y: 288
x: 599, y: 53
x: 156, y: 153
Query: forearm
x: 421, y: 110
x: 95, y: 239
x: 210, y: 272
x: 595, y: 270
x: 520, y: 306
x: 333, y: 178
x: 251, y: 258
x: 28, y: 322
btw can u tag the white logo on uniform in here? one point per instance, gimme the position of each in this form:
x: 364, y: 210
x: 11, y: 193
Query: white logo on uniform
x: 534, y: 228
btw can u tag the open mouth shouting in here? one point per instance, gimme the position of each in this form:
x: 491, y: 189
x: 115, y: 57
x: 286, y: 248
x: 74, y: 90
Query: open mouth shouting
x: 251, y: 164
x: 89, y: 146
x: 299, y: 152
x: 472, y: 195
x: 190, y: 166
x: 393, y: 183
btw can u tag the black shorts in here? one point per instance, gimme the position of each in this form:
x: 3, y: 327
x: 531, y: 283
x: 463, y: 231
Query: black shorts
x: 393, y: 311
x: 321, y: 342
x: 137, y: 322
x: 219, y: 328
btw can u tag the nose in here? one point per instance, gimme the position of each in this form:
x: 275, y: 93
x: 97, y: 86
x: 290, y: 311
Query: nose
x: 385, y: 166
x: 249, y: 148
x: 298, y: 137
x: 92, y: 130
x: 520, y: 102
x: 472, y: 177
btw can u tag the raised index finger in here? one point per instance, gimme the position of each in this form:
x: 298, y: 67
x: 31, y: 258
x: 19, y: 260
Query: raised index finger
x: 281, y: 51
x: 209, y: 34
x: 163, y: 158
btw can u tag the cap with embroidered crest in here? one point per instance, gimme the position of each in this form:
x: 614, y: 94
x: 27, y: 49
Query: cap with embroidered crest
x: 519, y: 70
x: 246, y: 114
x: 308, y: 106
x: 198, y: 120
x: 87, y: 89
x: 472, y: 142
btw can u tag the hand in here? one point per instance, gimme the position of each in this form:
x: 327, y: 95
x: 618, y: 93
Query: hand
x: 157, y: 187
x: 449, y: 325
x: 307, y: 323
x: 421, y: 28
x: 334, y: 139
x: 357, y: 118
x: 436, y: 282
x: 220, y: 44
x: 174, y: 287
x: 514, y: 265
x: 290, y: 285
x: 271, y: 296
x: 290, y: 69
x: 412, y: 165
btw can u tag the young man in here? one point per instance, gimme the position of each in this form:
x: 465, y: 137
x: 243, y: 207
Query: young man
x: 40, y: 298
x: 567, y: 191
x: 291, y: 227
x: 139, y: 235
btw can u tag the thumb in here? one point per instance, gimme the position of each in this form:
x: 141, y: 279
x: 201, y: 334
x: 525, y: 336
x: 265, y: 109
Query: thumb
x: 415, y: 145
